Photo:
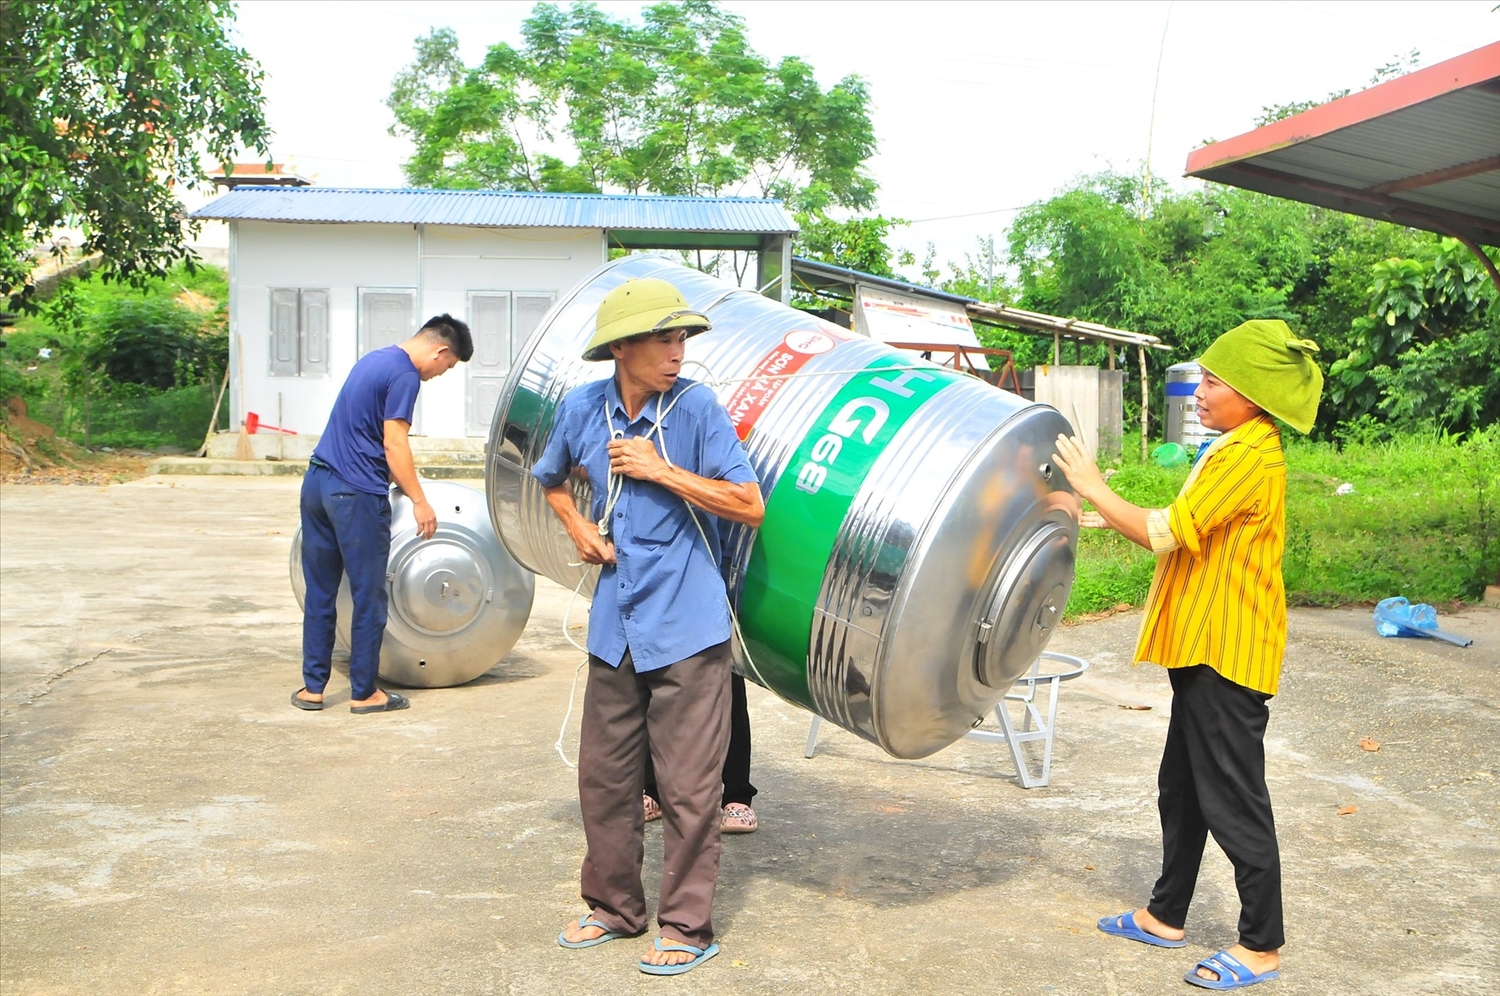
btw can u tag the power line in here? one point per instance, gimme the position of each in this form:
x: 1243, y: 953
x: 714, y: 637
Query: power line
x: 971, y: 214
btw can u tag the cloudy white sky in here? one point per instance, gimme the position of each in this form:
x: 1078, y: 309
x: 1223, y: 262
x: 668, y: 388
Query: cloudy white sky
x: 978, y: 107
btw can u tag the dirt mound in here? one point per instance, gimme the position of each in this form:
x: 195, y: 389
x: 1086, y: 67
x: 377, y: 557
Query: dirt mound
x: 198, y: 304
x: 32, y: 453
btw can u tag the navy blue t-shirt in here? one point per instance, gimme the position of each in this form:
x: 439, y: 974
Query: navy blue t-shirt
x: 383, y: 385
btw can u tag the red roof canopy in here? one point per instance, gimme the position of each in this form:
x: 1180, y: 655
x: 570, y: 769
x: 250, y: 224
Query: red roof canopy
x: 1421, y: 150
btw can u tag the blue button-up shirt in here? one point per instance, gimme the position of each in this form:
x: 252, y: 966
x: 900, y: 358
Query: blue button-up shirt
x: 664, y: 597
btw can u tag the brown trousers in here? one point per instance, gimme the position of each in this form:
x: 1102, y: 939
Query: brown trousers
x: 682, y: 711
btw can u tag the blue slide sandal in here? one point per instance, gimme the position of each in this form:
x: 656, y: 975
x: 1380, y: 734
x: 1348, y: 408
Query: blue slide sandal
x: 1124, y: 925
x: 1231, y: 972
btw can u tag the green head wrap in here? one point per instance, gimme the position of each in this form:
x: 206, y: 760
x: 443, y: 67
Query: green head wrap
x: 1266, y: 362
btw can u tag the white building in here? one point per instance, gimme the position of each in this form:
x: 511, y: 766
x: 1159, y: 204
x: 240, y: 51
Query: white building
x: 320, y: 276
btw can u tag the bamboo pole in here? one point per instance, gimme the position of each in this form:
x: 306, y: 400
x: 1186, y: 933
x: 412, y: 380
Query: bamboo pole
x: 1145, y: 402
x: 213, y: 421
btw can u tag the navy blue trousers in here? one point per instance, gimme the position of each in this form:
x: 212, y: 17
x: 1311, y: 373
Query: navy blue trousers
x: 1213, y: 781
x: 344, y: 531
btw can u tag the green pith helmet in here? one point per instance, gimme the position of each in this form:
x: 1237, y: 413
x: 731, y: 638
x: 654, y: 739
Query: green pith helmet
x: 645, y: 304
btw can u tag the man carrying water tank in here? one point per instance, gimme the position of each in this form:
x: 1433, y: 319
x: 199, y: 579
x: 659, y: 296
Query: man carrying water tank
x: 650, y: 446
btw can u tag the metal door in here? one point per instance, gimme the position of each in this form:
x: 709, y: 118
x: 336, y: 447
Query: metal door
x: 385, y: 319
x: 489, y: 324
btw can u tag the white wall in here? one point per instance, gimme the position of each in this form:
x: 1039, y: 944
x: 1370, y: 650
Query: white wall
x: 456, y: 261
x: 344, y: 258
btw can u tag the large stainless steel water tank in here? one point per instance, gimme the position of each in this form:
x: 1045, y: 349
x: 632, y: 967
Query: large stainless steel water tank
x: 1182, y: 409
x: 918, y: 546
x: 458, y: 602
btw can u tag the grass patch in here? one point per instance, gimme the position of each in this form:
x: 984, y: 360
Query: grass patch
x: 1113, y: 571
x: 132, y: 368
x: 1423, y: 521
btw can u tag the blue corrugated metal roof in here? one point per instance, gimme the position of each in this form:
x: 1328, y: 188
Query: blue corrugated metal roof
x: 500, y: 209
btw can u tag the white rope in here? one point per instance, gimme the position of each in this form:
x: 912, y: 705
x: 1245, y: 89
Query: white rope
x: 573, y: 694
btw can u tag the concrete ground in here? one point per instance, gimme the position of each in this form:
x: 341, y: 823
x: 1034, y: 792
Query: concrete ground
x: 172, y: 825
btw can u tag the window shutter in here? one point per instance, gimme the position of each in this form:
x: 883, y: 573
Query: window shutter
x: 315, y: 332
x: 284, y: 344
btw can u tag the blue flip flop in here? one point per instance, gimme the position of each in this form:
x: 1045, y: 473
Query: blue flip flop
x: 1232, y: 973
x: 700, y: 955
x: 589, y: 921
x: 1124, y: 925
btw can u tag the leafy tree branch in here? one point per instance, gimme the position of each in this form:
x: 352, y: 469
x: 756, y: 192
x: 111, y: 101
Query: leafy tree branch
x: 107, y: 108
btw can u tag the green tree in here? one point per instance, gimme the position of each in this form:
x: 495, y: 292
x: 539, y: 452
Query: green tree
x: 1085, y: 253
x: 856, y: 243
x: 107, y: 106
x: 1200, y: 262
x: 1428, y: 350
x: 678, y: 104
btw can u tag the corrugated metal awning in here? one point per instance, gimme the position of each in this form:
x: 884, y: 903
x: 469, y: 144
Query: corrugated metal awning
x: 829, y: 280
x: 503, y: 209
x: 1421, y: 150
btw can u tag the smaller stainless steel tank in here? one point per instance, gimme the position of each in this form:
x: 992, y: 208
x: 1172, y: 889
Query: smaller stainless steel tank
x: 1182, y: 411
x: 458, y: 601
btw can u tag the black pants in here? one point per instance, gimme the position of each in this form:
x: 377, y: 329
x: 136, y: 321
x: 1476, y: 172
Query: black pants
x: 1213, y: 780
x: 737, y: 787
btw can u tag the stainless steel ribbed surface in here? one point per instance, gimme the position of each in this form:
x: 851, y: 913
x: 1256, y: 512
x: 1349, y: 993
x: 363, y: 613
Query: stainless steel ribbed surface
x: 918, y: 546
x: 458, y: 601
x: 1182, y: 408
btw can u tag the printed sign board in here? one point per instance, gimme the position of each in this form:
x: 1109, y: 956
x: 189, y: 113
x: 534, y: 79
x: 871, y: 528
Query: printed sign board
x: 888, y: 316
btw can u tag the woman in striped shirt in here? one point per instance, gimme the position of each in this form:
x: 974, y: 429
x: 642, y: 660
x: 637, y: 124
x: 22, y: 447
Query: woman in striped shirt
x: 1216, y: 619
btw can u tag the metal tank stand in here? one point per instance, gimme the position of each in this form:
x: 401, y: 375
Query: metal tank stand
x: 1036, y: 725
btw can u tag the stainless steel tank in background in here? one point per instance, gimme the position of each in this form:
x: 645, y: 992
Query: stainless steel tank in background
x: 1182, y: 425
x: 458, y: 602
x: 918, y: 546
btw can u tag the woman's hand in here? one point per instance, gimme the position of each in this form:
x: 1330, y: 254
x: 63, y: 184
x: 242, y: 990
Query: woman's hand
x: 1079, y: 468
x: 1113, y: 512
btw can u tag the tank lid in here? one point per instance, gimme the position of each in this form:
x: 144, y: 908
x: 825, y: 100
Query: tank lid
x: 1025, y: 605
x: 438, y: 587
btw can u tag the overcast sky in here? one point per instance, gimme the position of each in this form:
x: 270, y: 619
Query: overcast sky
x: 979, y: 108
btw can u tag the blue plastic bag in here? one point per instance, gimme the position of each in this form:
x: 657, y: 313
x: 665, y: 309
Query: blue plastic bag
x: 1398, y: 617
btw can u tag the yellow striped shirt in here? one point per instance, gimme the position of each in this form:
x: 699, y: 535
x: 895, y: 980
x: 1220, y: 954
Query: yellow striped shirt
x: 1217, y: 597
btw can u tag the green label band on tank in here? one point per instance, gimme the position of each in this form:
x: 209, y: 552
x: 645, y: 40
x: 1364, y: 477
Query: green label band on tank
x: 807, y: 508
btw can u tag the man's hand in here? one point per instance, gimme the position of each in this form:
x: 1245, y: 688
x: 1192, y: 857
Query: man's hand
x: 404, y: 473
x: 592, y: 548
x: 426, y: 517
x: 636, y: 457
